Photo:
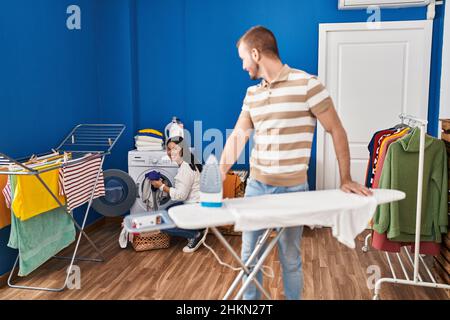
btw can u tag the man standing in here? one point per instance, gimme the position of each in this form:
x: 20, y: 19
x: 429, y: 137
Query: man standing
x: 282, y: 111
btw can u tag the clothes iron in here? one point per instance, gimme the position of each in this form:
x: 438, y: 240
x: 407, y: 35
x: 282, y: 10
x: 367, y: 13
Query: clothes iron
x: 211, y: 193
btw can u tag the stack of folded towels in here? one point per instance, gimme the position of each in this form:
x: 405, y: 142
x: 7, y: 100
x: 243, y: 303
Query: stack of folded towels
x: 149, y: 140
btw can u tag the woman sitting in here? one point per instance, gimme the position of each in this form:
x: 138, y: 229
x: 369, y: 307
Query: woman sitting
x: 186, y: 189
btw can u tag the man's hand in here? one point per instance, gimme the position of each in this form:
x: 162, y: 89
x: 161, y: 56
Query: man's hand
x: 354, y: 187
x: 157, y: 183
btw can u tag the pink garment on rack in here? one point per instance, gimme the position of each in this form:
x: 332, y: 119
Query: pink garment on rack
x: 376, y: 151
x: 7, y: 194
x: 381, y: 242
x: 77, y: 181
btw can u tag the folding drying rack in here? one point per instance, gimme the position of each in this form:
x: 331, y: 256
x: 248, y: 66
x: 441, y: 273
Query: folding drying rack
x: 95, y: 139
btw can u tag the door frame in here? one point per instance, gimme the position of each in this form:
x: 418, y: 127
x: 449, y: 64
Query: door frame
x: 444, y: 104
x: 324, y: 30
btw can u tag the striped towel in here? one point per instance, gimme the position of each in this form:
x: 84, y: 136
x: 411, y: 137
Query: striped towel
x: 76, y: 182
x: 7, y: 194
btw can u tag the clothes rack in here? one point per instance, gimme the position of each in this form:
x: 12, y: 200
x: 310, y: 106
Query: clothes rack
x: 95, y: 140
x: 416, y: 279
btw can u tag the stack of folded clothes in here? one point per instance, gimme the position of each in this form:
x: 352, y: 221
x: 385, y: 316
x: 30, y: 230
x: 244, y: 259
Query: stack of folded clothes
x: 149, y: 140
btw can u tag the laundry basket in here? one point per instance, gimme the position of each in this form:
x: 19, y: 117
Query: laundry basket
x: 151, y: 237
x: 234, y: 187
x: 150, y: 241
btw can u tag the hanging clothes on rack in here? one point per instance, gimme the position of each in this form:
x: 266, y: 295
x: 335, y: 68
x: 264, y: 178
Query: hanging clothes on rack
x: 380, y: 241
x: 31, y: 198
x: 385, y: 143
x: 73, y: 183
x: 413, y: 160
x: 37, y: 163
x: 5, y: 213
x: 7, y: 194
x: 39, y: 238
x: 77, y: 181
x: 400, y: 172
x: 42, y: 236
x: 374, y: 149
x: 371, y: 148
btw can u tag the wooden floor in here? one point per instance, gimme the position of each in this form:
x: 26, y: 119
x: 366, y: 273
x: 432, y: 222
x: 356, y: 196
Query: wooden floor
x: 331, y: 271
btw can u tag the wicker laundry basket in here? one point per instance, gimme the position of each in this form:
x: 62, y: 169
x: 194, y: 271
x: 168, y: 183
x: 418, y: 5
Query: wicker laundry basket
x: 236, y: 189
x: 150, y: 241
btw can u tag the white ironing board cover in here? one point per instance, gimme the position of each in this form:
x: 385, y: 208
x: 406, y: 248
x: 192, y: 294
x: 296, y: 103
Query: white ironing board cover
x: 346, y: 213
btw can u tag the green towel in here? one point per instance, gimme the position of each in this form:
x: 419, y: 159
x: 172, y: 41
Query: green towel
x: 39, y: 238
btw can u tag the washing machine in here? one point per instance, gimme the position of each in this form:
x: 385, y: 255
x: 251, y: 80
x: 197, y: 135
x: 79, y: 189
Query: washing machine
x: 142, y: 162
x: 123, y: 190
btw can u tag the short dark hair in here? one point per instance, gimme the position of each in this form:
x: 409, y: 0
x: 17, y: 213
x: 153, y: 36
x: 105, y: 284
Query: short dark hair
x: 262, y: 39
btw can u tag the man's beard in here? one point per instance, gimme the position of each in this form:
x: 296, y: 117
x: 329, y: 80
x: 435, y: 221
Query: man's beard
x: 255, y: 76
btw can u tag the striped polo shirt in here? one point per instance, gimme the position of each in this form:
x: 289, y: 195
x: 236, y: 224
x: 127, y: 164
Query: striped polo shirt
x: 283, y: 114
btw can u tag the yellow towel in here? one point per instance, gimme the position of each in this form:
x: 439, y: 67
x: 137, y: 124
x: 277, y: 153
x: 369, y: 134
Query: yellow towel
x: 153, y: 131
x: 31, y: 198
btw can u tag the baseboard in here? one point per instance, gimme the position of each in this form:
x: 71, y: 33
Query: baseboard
x: 92, y: 227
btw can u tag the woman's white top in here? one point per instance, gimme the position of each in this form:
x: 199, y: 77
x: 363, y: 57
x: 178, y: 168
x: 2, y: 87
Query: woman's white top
x: 187, y: 185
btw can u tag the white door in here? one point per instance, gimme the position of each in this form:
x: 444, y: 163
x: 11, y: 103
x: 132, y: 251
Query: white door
x: 373, y: 75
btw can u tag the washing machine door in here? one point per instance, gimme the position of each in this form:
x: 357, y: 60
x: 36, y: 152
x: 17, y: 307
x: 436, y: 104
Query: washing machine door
x: 163, y: 199
x: 120, y: 194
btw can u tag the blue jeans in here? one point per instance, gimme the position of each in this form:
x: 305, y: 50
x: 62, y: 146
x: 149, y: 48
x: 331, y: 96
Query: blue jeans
x: 177, y: 232
x: 288, y: 246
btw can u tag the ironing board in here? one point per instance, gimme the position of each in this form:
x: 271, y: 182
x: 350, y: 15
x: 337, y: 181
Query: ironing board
x: 335, y: 211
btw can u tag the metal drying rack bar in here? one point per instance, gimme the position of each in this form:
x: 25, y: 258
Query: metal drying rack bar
x: 85, y: 142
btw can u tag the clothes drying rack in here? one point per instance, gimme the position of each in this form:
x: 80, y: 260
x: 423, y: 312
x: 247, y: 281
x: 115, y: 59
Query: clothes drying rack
x: 95, y: 139
x: 416, y: 279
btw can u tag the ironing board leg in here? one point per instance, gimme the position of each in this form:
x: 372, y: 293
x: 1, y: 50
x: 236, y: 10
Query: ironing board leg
x: 259, y: 245
x: 238, y: 259
x: 259, y: 264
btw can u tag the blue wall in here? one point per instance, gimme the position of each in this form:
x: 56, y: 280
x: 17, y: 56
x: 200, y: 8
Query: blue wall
x: 139, y: 62
x: 48, y: 81
x: 116, y: 72
x: 188, y: 62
